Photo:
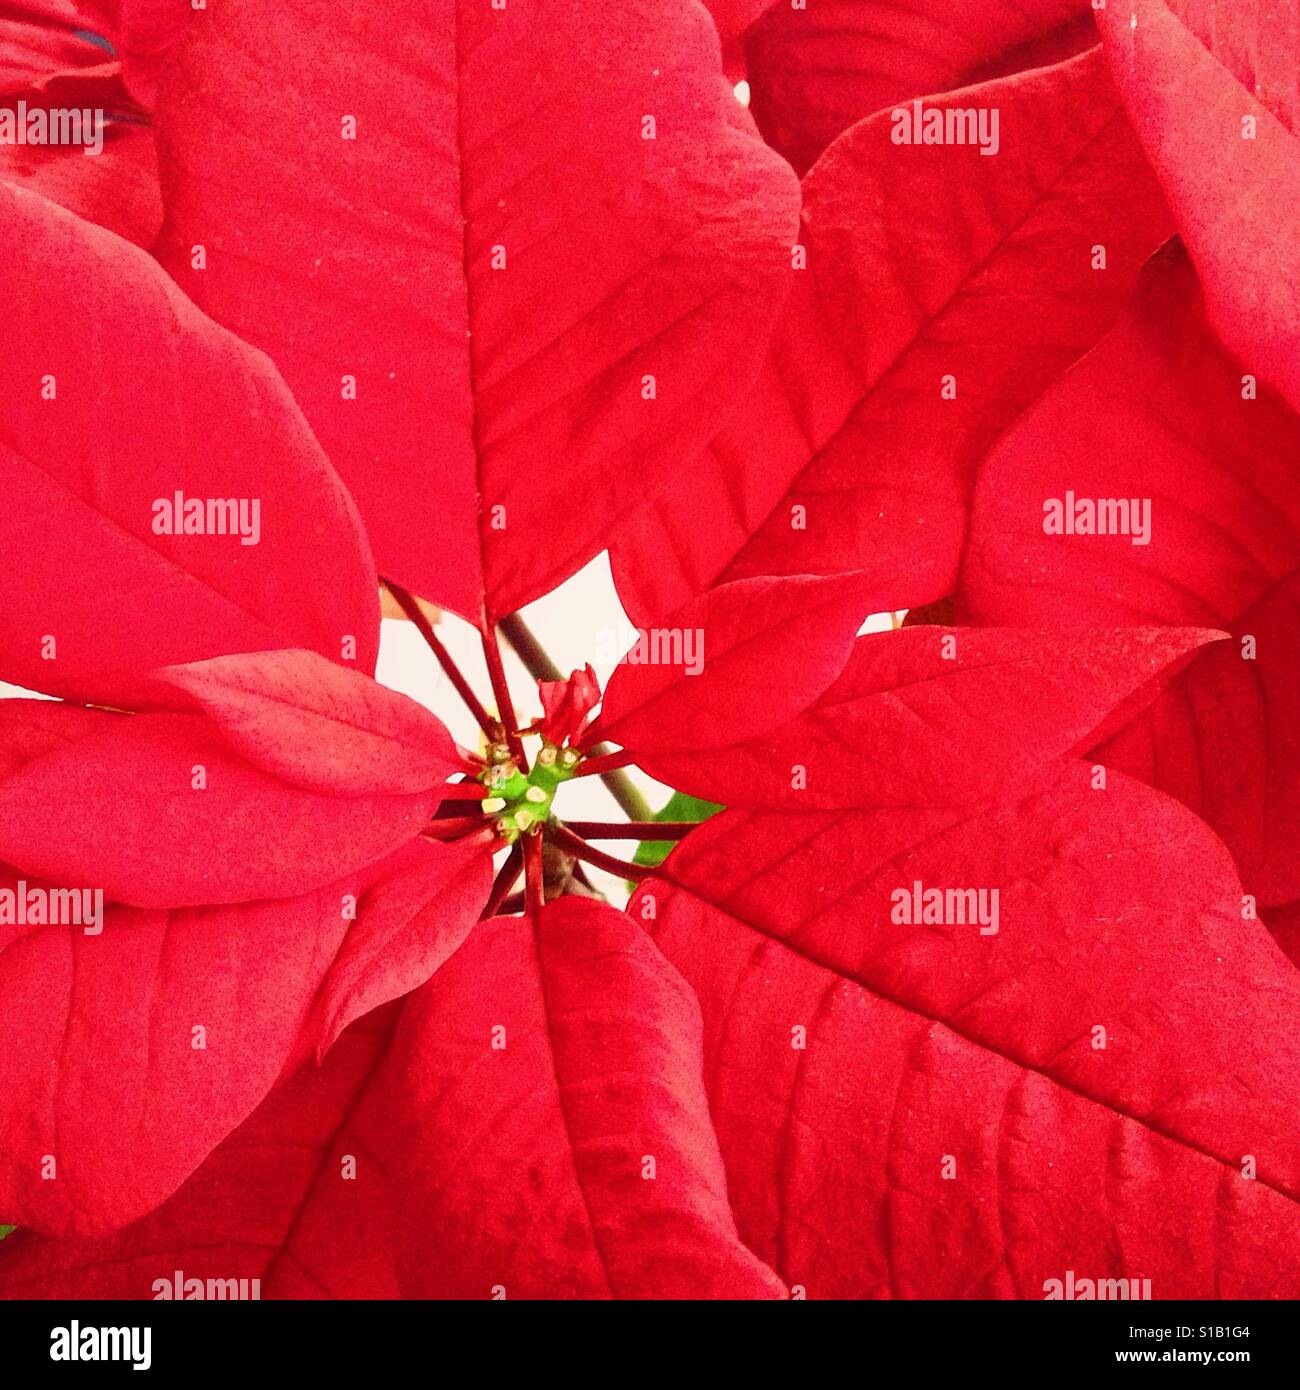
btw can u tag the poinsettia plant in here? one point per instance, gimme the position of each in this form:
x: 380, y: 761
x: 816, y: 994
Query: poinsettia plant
x: 984, y: 976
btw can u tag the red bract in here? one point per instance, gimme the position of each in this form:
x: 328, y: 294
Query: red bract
x: 157, y: 811
x: 1024, y: 1101
x: 817, y: 69
x: 276, y: 708
x: 39, y: 37
x: 502, y: 355
x: 568, y: 1047
x: 50, y: 64
x: 932, y: 717
x: 948, y: 1003
x: 92, y: 497
x: 269, y: 1204
x: 1161, y: 415
x: 722, y: 669
x: 266, y: 816
x: 943, y: 292
x: 1212, y: 92
x: 129, y: 1054
x: 147, y: 33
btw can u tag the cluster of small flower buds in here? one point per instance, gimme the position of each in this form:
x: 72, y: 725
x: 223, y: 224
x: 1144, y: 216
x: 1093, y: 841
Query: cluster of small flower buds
x: 522, y: 802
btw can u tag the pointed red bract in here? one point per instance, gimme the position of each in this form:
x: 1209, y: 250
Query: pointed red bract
x: 733, y: 664
x: 130, y: 1047
x: 1212, y: 92
x: 95, y: 594
x: 317, y: 725
x: 931, y: 716
x: 569, y: 1049
x: 1160, y: 415
x: 547, y: 254
x: 155, y: 810
x: 422, y: 906
x: 944, y: 292
x: 960, y: 1018
x: 278, y: 1202
x: 127, y: 1055
x: 814, y: 70
x: 927, y: 1110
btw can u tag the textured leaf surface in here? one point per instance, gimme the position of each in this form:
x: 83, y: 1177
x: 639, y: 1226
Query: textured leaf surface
x: 38, y: 37
x: 925, y: 262
x: 318, y: 725
x: 118, y: 807
x: 816, y: 70
x: 733, y: 17
x: 598, y: 1075
x: 1213, y: 95
x: 147, y: 34
x: 1157, y: 413
x: 1119, y: 910
x: 127, y: 1054
x: 271, y: 1203
x: 409, y: 922
x: 933, y: 716
x: 101, y: 1066
x: 502, y: 259
x: 722, y: 667
x: 95, y: 320
x: 117, y: 188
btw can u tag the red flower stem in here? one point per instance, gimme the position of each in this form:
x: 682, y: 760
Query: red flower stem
x: 503, y: 884
x: 605, y: 762
x: 534, y: 881
x: 452, y: 827
x: 580, y: 849
x: 464, y: 791
x: 540, y: 666
x: 453, y: 673
x: 501, y: 692
x: 474, y: 764
x: 632, y: 830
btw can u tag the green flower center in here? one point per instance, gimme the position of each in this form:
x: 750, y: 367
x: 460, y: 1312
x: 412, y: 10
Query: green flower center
x: 520, y: 803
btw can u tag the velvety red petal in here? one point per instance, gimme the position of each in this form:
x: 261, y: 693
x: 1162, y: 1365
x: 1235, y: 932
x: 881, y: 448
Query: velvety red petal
x: 506, y: 310
x: 1212, y: 93
x: 740, y: 660
x: 1160, y: 415
x: 424, y: 902
x: 815, y: 70
x: 126, y: 1056
x: 547, y: 1113
x: 317, y: 725
x: 158, y: 812
x: 291, y: 1199
x: 96, y: 591
x: 944, y: 292
x: 925, y: 1110
x: 931, y: 716
x: 38, y: 37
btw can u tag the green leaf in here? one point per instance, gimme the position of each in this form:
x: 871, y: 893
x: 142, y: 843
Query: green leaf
x: 4, y: 1231
x: 679, y: 807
